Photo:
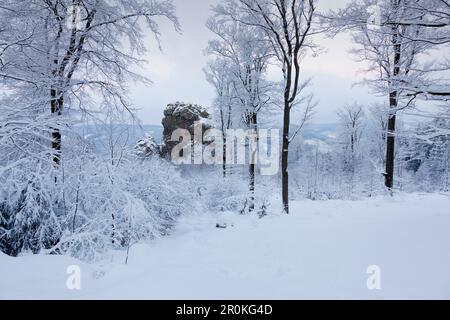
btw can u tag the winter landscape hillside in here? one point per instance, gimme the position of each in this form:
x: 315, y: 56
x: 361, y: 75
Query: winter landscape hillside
x: 220, y: 168
x: 324, y: 251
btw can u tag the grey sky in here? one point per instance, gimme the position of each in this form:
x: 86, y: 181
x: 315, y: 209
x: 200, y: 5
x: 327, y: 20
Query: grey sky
x: 177, y: 71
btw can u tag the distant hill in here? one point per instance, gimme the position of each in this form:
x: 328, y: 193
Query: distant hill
x: 98, y: 134
x: 156, y: 131
x: 129, y: 134
x: 323, y: 132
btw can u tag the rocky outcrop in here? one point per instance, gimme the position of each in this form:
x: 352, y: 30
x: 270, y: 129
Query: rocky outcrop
x: 181, y: 115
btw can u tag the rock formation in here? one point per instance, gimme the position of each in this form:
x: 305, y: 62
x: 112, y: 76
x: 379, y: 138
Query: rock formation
x: 181, y: 115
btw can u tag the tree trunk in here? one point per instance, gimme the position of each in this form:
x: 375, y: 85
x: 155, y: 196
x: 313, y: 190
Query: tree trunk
x: 56, y: 104
x: 390, y: 149
x: 393, y: 104
x: 224, y: 154
x: 252, y: 166
x: 285, y: 158
x: 251, y: 206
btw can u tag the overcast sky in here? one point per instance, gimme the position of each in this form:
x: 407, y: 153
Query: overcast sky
x: 177, y: 71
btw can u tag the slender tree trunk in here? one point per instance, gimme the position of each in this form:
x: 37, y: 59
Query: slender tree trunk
x: 285, y: 159
x: 390, y: 149
x: 113, y: 229
x: 224, y: 156
x: 252, y: 166
x: 56, y: 104
x: 393, y: 104
x: 285, y: 144
x: 251, y: 206
x: 225, y: 128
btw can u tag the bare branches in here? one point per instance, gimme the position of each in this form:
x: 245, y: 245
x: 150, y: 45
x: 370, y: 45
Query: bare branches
x: 243, y: 51
x: 287, y: 26
x: 72, y: 54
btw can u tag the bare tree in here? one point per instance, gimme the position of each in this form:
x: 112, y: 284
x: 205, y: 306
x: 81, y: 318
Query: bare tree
x: 287, y: 25
x: 392, y: 49
x: 217, y: 73
x: 248, y: 56
x: 77, y: 52
x: 352, y: 124
x: 351, y: 119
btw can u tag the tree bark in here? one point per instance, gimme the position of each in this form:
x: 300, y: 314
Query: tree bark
x: 56, y: 105
x: 224, y: 155
x: 390, y: 148
x: 252, y: 166
x: 393, y: 105
x: 285, y: 158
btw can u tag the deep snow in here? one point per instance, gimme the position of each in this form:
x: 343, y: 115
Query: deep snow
x: 322, y: 250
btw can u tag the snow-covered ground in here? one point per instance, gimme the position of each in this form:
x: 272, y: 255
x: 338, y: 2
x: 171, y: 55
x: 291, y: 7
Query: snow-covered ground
x: 322, y: 250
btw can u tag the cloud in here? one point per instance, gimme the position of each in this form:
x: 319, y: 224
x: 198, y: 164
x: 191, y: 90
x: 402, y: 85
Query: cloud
x: 177, y: 71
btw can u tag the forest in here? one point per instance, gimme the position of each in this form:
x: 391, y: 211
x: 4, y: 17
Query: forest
x: 68, y: 65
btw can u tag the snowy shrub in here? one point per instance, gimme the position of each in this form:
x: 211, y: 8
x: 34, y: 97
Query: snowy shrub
x: 90, y: 207
x: 30, y: 209
x: 147, y: 147
x: 126, y: 204
x: 229, y: 195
